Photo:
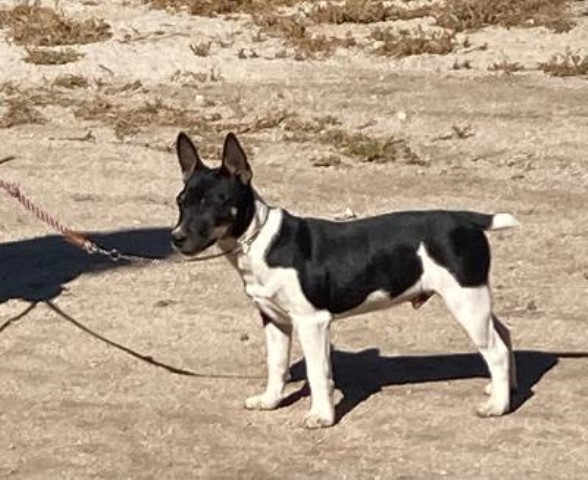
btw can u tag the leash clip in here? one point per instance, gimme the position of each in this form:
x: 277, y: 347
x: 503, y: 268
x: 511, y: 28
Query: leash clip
x: 114, y: 255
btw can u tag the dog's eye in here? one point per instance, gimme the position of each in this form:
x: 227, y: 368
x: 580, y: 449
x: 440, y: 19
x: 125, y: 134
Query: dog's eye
x: 179, y: 200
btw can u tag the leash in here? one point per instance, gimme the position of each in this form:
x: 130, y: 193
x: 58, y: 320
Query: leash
x: 140, y: 356
x: 91, y: 248
x: 81, y: 241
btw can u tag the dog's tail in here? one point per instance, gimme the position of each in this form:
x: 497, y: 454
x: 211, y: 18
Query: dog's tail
x: 502, y: 221
x: 498, y: 221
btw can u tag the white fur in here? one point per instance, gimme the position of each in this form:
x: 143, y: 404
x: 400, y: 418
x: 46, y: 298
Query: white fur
x: 380, y: 299
x: 472, y: 308
x: 502, y: 221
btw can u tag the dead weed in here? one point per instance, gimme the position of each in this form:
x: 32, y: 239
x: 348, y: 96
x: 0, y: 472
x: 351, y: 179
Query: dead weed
x: 506, y: 67
x: 460, y: 15
x: 458, y: 132
x: 42, y: 26
x: 127, y: 121
x: 567, y: 64
x: 201, y: 49
x: 71, y: 81
x: 365, y: 11
x: 211, y: 8
x: 363, y: 147
x: 20, y: 112
x: 370, y: 149
x: 295, y: 32
x: 51, y: 56
x: 329, y: 160
x: 403, y: 43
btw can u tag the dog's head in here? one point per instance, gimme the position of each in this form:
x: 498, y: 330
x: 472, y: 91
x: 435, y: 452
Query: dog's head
x: 215, y: 203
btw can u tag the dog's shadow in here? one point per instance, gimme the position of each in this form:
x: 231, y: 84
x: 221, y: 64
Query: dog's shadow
x: 359, y: 375
x: 38, y: 269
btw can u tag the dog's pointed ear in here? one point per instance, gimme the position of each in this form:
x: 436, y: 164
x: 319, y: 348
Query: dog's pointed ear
x: 188, y: 156
x: 234, y: 159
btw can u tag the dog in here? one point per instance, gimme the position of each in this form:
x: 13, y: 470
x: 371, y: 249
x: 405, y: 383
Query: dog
x: 303, y: 273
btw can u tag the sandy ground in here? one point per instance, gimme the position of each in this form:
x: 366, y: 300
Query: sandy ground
x: 74, y: 406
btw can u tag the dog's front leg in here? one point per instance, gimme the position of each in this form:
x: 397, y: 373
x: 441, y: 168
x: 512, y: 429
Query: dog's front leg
x: 278, y: 340
x: 313, y: 332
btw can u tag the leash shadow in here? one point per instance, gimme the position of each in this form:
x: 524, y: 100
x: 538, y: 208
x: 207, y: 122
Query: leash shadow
x: 37, y: 269
x: 359, y: 375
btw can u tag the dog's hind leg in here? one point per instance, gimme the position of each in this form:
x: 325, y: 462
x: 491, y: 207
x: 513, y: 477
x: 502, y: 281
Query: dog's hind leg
x: 472, y: 308
x: 504, y: 333
x: 278, y: 341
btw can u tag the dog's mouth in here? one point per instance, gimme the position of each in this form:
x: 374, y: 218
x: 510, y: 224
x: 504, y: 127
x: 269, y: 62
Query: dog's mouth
x: 192, y: 251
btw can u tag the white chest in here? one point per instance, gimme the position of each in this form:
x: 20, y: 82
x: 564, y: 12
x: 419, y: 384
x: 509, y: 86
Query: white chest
x: 275, y: 290
x: 265, y: 286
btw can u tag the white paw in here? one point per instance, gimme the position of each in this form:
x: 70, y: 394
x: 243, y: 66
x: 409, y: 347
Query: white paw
x: 491, y: 409
x: 262, y: 402
x: 314, y: 420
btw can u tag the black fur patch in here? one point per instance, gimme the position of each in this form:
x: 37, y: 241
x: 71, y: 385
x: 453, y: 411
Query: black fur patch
x: 340, y: 263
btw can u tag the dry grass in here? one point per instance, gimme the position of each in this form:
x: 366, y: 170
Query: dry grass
x: 300, y: 129
x: 71, y: 81
x: 506, y: 67
x: 458, y: 132
x: 330, y: 160
x: 195, y: 78
x: 370, y: 149
x: 211, y: 8
x: 403, y: 43
x: 364, y: 11
x: 460, y: 15
x: 452, y: 15
x: 463, y: 65
x: 131, y: 120
x: 41, y: 96
x: 294, y: 31
x: 41, y: 26
x: 325, y: 130
x: 569, y: 64
x: 201, y: 49
x: 20, y: 112
x: 457, y: 15
x: 50, y: 56
x: 362, y: 147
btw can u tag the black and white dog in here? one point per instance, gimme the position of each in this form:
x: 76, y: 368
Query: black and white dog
x: 302, y: 273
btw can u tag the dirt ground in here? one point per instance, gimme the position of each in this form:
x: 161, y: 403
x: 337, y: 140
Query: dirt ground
x: 73, y: 405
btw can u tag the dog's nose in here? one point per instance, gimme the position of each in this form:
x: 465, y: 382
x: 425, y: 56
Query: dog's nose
x: 178, y: 236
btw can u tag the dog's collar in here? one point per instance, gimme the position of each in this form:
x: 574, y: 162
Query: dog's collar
x: 244, y: 243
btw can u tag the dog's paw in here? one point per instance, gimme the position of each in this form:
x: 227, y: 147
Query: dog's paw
x: 313, y: 421
x: 262, y: 402
x: 491, y: 409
